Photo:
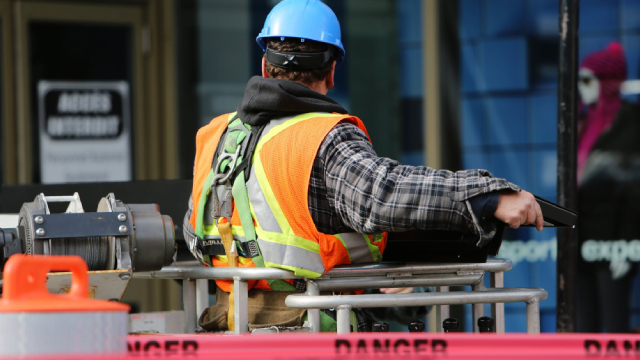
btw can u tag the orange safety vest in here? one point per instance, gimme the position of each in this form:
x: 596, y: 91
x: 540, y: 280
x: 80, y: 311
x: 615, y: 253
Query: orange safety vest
x: 278, y: 194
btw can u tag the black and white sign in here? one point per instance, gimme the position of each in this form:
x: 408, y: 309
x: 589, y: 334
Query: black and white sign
x: 85, y: 131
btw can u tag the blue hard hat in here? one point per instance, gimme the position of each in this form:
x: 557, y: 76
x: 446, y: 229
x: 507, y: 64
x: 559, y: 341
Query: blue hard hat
x: 303, y: 19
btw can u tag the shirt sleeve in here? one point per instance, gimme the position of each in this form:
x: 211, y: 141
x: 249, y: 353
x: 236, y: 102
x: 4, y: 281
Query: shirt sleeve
x: 484, y: 205
x: 373, y: 194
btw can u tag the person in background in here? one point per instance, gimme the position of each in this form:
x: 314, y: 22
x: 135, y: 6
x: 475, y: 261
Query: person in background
x: 608, y: 192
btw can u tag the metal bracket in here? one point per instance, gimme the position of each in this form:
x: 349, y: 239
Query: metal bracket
x: 73, y: 225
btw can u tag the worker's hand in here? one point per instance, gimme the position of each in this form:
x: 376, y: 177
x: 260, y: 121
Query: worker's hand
x: 517, y: 208
x: 396, y: 290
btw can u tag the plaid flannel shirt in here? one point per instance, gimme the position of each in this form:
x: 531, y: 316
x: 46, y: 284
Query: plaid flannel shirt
x: 352, y: 189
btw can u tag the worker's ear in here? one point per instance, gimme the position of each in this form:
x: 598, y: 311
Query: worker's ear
x: 264, y: 67
x: 329, y: 79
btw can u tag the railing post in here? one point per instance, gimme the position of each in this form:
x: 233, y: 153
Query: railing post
x: 241, y: 305
x: 478, y: 309
x: 497, y: 309
x: 343, y: 317
x: 442, y: 311
x: 189, y: 303
x: 313, y: 314
x: 533, y: 316
x: 202, y: 296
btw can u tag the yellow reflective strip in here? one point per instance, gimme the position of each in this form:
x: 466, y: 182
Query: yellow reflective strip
x: 263, y: 182
x: 253, y: 214
x: 241, y: 259
x: 231, y: 116
x: 288, y: 239
x: 213, y: 230
x: 278, y: 238
x: 279, y: 128
x: 297, y: 271
x: 375, y: 251
x: 343, y: 245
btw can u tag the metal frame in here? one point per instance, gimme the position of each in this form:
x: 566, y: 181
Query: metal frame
x: 344, y: 303
x: 190, y: 274
x: 363, y: 276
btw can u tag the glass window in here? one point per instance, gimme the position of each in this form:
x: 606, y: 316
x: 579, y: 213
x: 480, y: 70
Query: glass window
x: 225, y: 56
x: 508, y: 54
x: 73, y: 52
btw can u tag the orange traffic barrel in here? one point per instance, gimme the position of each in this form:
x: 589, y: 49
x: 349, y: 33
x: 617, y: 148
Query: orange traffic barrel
x: 35, y: 322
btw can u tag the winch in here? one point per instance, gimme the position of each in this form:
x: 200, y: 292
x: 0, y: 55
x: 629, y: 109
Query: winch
x: 119, y: 236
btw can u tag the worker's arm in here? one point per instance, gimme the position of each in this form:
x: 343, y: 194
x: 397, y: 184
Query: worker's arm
x: 373, y: 194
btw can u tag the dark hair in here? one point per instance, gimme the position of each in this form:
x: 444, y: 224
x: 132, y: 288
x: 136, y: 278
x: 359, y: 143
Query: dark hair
x: 295, y: 45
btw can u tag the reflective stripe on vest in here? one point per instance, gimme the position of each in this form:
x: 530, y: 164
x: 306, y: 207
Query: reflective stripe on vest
x: 279, y: 244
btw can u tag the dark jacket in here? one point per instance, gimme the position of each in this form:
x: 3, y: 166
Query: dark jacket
x: 609, y: 195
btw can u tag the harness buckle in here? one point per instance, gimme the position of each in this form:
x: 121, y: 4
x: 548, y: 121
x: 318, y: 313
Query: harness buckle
x: 219, y: 177
x: 222, y: 191
x: 222, y: 208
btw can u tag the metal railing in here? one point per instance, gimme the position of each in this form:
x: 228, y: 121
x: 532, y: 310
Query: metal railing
x: 381, y: 275
x: 344, y: 303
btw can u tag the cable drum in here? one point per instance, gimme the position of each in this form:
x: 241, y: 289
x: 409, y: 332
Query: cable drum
x: 133, y: 237
x: 93, y: 249
x: 26, y: 214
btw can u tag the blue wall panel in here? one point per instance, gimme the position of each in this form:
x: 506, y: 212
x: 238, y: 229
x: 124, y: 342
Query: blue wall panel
x: 512, y: 165
x: 470, y: 19
x: 544, y: 116
x: 597, y: 16
x: 475, y: 159
x: 473, y: 122
x: 409, y: 23
x: 589, y: 44
x: 470, y: 68
x: 545, y: 173
x: 506, y: 17
x: 631, y: 45
x: 630, y: 13
x: 414, y: 158
x: 548, y: 319
x: 411, y: 75
x: 507, y: 120
x: 544, y: 273
x: 543, y: 15
x: 505, y: 64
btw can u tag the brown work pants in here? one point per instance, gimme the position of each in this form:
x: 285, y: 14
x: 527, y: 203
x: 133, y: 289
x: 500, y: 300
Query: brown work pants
x: 266, y: 309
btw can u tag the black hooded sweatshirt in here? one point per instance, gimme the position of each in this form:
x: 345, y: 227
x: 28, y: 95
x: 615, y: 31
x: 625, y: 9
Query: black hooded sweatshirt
x: 266, y: 99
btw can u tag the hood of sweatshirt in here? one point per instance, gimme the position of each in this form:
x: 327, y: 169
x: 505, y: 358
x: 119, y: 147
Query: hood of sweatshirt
x: 266, y: 98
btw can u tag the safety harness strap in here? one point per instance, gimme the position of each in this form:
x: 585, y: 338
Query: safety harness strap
x: 206, y: 190
x: 235, y: 155
x: 227, y: 240
x: 241, y: 198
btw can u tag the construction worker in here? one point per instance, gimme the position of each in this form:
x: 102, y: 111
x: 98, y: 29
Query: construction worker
x: 291, y: 180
